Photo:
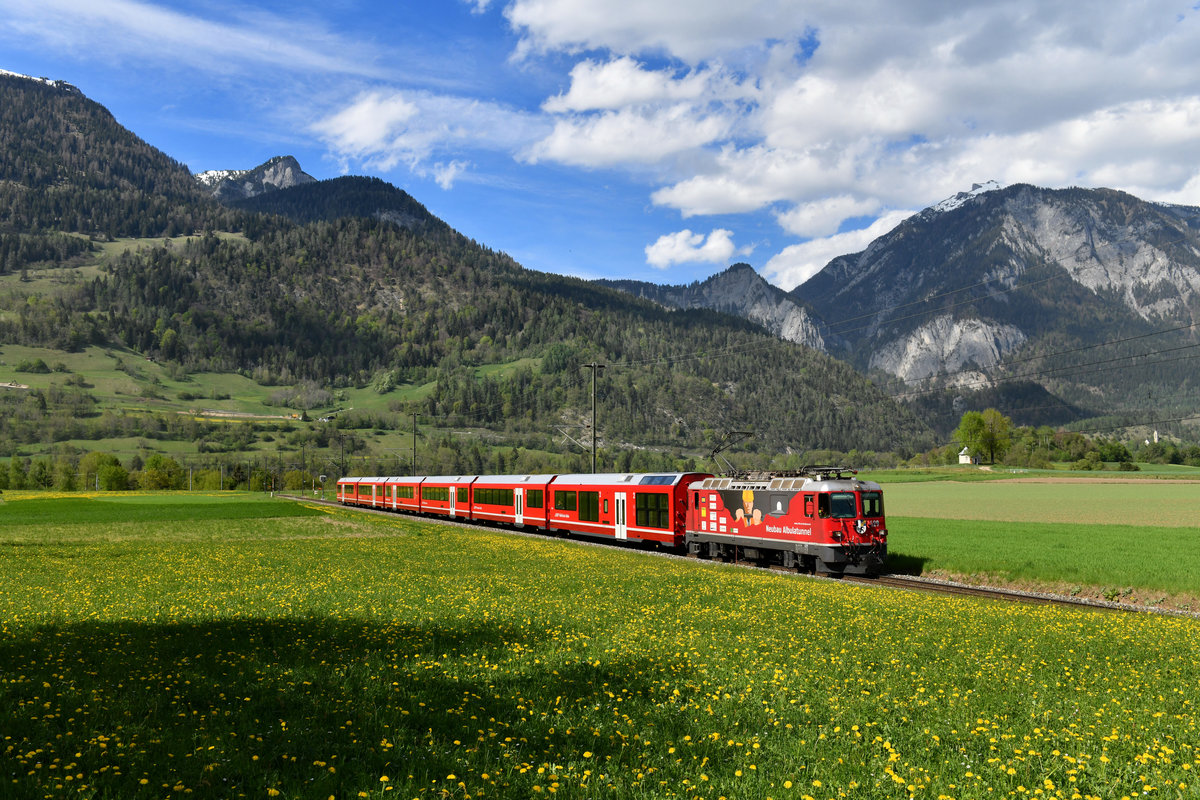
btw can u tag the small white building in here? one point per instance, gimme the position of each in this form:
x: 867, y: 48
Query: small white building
x: 965, y: 457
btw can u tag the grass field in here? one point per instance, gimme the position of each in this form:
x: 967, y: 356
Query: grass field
x: 1137, y: 541
x: 1151, y: 503
x: 241, y: 647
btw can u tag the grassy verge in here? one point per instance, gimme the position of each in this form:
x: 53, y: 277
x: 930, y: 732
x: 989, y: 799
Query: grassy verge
x: 264, y: 654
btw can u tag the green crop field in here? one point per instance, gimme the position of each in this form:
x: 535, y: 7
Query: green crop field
x: 220, y: 647
x: 1135, y: 541
x: 1143, y: 502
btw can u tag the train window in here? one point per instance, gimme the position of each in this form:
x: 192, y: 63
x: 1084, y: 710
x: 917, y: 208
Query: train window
x: 606, y: 505
x: 462, y: 494
x: 589, y: 506
x: 494, y: 497
x: 652, y: 511
x: 842, y: 505
x: 441, y: 493
x: 872, y: 503
x: 533, y: 498
x: 405, y: 492
x: 564, y: 501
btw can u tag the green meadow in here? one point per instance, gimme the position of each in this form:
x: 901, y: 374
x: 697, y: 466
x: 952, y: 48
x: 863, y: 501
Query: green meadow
x: 239, y: 646
x: 1136, y: 541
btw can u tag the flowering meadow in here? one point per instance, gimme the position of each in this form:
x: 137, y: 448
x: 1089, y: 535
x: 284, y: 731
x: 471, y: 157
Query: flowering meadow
x: 235, y: 647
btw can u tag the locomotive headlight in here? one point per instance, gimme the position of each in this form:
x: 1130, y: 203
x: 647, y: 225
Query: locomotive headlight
x: 837, y: 536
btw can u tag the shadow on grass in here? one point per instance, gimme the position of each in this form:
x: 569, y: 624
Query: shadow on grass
x: 306, y: 707
x: 901, y: 564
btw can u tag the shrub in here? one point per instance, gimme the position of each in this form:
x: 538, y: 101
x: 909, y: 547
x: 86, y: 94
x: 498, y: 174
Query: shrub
x: 33, y: 365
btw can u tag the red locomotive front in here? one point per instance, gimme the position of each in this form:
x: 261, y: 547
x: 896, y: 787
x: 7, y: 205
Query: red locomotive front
x: 820, y: 519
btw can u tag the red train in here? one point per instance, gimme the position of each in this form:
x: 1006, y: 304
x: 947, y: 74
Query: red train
x: 820, y: 519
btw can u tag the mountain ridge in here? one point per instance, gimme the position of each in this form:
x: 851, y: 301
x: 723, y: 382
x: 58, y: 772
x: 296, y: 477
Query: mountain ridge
x: 279, y: 172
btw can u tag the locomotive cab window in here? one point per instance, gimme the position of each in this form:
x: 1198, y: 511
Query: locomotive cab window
x: 872, y: 503
x: 839, y: 505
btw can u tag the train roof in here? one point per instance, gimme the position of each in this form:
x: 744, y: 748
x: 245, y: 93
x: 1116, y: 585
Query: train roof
x: 791, y: 483
x: 583, y: 479
x: 626, y: 478
x: 533, y: 480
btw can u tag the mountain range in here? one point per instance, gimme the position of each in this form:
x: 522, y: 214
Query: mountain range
x: 1089, y: 295
x: 350, y: 287
x: 1053, y: 305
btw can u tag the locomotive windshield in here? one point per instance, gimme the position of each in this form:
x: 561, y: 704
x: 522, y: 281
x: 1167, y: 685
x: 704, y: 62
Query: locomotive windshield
x: 839, y: 505
x: 872, y: 504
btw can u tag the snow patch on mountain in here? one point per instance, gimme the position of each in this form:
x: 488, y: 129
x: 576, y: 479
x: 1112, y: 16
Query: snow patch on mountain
x: 47, y: 81
x: 961, y: 199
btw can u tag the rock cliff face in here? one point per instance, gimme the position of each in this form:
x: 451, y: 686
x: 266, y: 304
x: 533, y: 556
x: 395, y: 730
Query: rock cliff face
x: 281, y: 172
x: 970, y: 282
x: 742, y: 292
x: 947, y: 345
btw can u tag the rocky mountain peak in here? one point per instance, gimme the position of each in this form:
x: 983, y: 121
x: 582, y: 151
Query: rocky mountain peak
x: 281, y: 172
x: 740, y: 291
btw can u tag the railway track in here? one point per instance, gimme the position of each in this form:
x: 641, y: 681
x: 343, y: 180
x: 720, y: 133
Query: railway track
x: 898, y: 582
x: 915, y: 584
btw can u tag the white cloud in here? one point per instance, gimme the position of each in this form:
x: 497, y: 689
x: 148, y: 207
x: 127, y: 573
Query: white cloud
x: 799, y: 262
x: 687, y: 247
x: 446, y: 174
x: 624, y: 82
x: 693, y: 31
x: 831, y: 111
x: 382, y: 129
x: 629, y: 136
x: 374, y: 124
x: 148, y: 32
x: 823, y: 217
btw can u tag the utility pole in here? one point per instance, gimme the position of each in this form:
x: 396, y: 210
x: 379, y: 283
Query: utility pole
x: 414, y: 416
x: 595, y: 367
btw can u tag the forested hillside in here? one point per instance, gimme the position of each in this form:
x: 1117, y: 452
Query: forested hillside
x: 67, y: 165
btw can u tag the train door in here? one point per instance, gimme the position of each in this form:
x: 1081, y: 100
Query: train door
x: 453, y: 495
x: 393, y: 497
x: 621, y: 529
x: 519, y: 506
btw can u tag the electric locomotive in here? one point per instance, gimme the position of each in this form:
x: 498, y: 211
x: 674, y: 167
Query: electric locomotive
x: 820, y: 519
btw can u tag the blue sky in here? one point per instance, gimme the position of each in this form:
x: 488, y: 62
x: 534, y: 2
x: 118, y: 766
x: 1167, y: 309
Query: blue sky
x: 650, y: 139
